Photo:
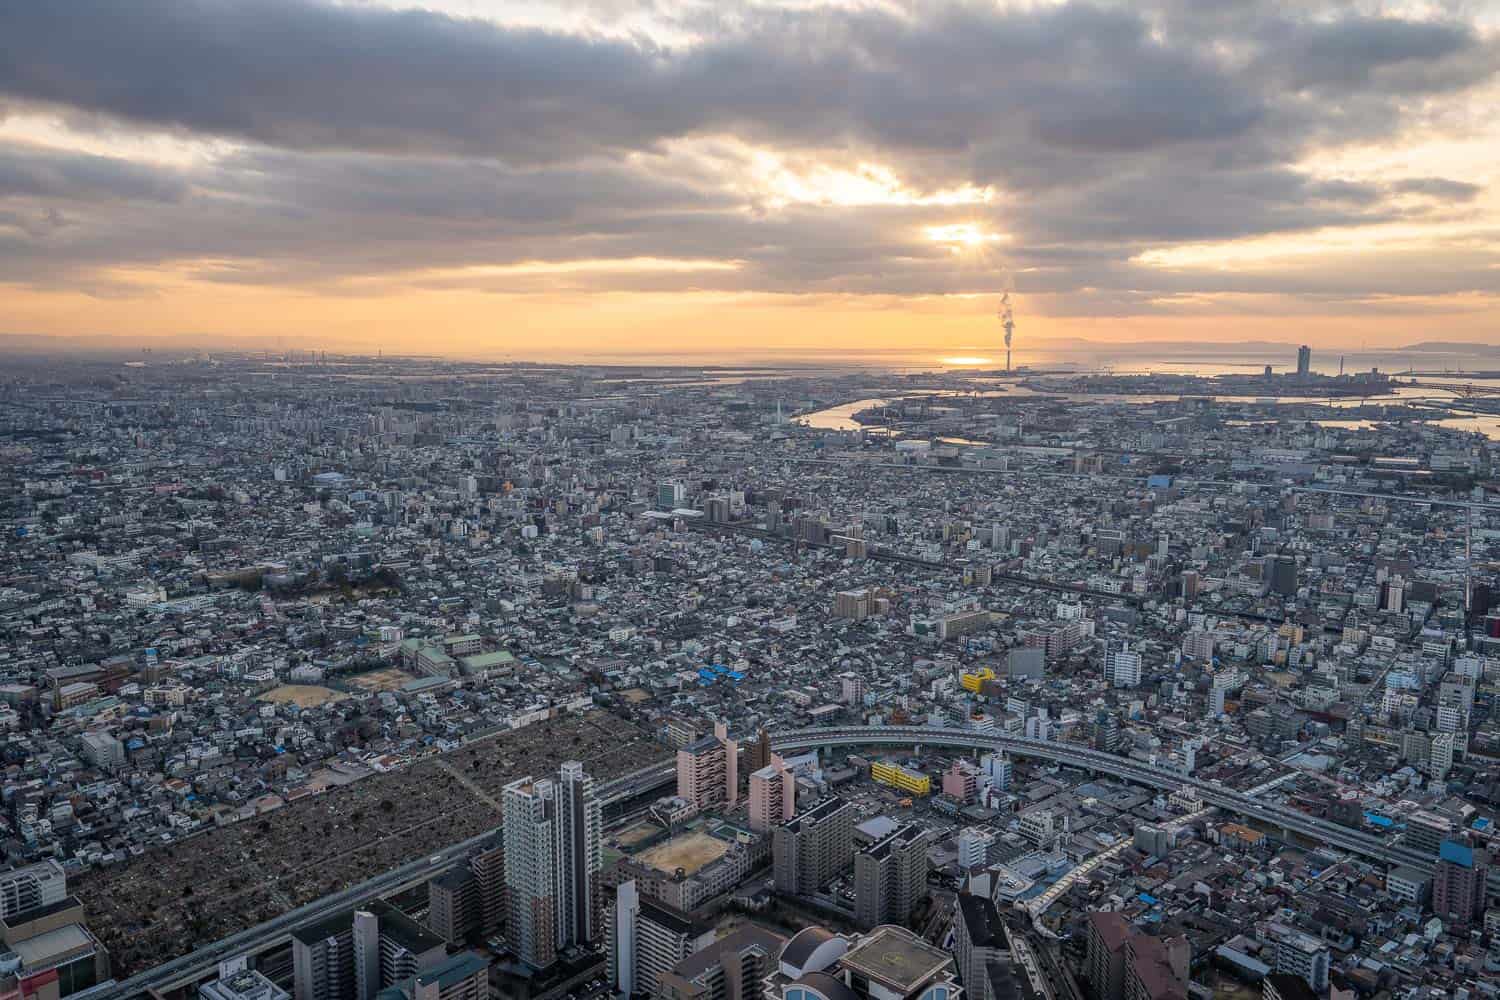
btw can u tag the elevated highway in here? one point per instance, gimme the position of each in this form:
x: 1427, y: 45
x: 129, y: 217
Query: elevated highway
x: 1211, y: 792
x: 617, y: 794
x: 189, y: 969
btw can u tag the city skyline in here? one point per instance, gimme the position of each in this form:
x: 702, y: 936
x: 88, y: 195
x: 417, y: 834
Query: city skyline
x: 483, y: 179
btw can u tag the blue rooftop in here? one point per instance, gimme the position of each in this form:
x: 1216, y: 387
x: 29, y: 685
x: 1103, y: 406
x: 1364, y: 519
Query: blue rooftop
x: 1375, y: 819
x: 1457, y: 853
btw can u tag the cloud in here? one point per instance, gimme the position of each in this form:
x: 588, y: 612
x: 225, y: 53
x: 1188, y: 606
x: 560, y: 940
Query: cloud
x: 1440, y: 188
x: 305, y: 75
x: 814, y: 147
x: 32, y: 172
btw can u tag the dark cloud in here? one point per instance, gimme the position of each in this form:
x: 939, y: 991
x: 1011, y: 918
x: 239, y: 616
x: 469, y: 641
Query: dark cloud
x: 1441, y: 188
x: 39, y: 172
x: 1357, y: 53
x: 378, y: 141
x: 306, y: 75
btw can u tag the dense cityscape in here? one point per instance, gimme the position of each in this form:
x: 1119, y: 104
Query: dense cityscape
x: 344, y: 678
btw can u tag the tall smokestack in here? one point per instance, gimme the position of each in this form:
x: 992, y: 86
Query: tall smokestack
x: 1007, y: 320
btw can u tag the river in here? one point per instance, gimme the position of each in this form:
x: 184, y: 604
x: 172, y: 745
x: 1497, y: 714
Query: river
x: 841, y: 417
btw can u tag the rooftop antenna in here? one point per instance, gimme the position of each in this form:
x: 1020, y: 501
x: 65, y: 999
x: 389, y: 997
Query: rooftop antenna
x: 1008, y: 321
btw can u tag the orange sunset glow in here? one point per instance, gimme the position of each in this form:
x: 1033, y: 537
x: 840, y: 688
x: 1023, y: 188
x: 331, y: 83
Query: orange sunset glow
x: 494, y: 180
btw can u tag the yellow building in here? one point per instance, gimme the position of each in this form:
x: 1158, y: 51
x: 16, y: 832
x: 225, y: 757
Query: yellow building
x: 973, y: 682
x: 900, y: 777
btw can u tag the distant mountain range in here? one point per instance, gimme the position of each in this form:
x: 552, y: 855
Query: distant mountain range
x: 1442, y: 347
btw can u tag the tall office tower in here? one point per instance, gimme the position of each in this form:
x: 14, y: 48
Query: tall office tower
x: 465, y: 976
x: 323, y: 959
x: 1395, y: 595
x: 623, y: 905
x: 1458, y: 884
x: 811, y: 849
x: 1198, y: 645
x: 731, y: 764
x: 1156, y: 968
x: 734, y: 967
x: 1163, y: 545
x: 645, y: 939
x: 978, y: 941
x: 1303, y: 955
x: 759, y: 752
x: 851, y: 688
x: 552, y: 863
x: 1440, y: 755
x: 366, y: 942
x: 579, y: 854
x: 31, y: 888
x: 1284, y: 575
x: 1426, y: 831
x: 773, y: 795
x: 488, y: 865
x: 708, y: 770
x: 1123, y: 963
x: 530, y: 824
x: 356, y: 954
x: 890, y: 876
x: 1190, y: 583
x: 1106, y: 730
x: 1304, y: 361
x: 670, y: 495
x: 1122, y: 666
x: 852, y: 604
x: 1216, y: 698
x: 998, y: 769
x: 1285, y: 986
x: 453, y: 905
x: 974, y: 847
x: 962, y: 780
x: 1104, y: 963
x: 405, y: 946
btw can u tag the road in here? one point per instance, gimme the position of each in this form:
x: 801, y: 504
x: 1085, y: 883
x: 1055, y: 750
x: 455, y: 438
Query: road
x: 188, y: 968
x: 1212, y: 793
x: 202, y: 961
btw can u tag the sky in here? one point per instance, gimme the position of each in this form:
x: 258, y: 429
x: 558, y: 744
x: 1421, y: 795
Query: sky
x: 606, y: 178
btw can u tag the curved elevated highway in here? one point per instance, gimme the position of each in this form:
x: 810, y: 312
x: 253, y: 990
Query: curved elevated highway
x: 189, y: 968
x: 1211, y: 792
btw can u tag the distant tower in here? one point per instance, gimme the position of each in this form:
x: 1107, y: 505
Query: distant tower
x: 1304, y: 361
x: 1008, y: 321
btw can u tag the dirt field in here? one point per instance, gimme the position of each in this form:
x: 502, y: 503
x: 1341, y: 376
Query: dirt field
x: 302, y: 695
x: 635, y: 695
x: 385, y: 679
x: 689, y: 852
